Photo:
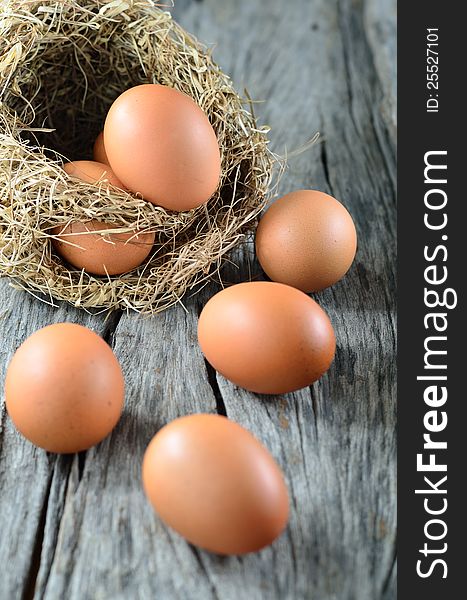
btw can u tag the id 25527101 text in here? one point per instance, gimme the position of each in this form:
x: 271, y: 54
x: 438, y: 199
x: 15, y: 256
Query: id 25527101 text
x: 432, y: 70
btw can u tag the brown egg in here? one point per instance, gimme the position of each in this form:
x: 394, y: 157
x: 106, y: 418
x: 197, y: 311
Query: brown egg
x: 98, y: 253
x: 266, y: 337
x: 306, y: 239
x: 215, y: 484
x: 99, y: 153
x: 160, y: 143
x: 64, y: 388
x: 101, y: 253
x: 92, y: 172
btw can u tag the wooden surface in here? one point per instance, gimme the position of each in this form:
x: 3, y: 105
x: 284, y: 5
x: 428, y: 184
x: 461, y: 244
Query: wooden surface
x: 79, y: 527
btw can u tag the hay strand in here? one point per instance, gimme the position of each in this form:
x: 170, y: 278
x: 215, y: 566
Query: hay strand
x: 62, y: 64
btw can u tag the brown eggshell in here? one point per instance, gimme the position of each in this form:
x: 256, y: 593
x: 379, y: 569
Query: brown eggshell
x: 161, y: 144
x: 99, y: 153
x: 92, y: 172
x: 101, y: 254
x: 64, y: 388
x: 97, y: 253
x: 306, y: 239
x: 266, y: 337
x: 215, y: 484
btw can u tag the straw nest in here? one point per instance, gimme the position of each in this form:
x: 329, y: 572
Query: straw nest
x: 61, y: 66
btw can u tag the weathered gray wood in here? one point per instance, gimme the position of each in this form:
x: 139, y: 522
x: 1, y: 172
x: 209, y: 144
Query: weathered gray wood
x: 30, y: 479
x: 380, y: 26
x: 80, y: 527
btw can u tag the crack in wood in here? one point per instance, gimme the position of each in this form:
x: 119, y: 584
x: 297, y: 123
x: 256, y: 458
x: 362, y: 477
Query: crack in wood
x: 324, y: 161
x: 40, y: 570
x: 346, y: 60
x: 81, y: 458
x: 197, y: 555
x: 212, y: 379
x: 385, y: 147
x: 389, y: 577
x: 30, y: 587
x: 314, y: 406
x: 3, y: 417
x: 212, y: 376
x: 111, y: 324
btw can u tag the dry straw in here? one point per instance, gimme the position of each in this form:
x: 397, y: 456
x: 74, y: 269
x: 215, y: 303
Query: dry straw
x: 61, y: 66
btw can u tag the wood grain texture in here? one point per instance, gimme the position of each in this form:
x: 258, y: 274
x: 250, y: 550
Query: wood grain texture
x: 79, y: 527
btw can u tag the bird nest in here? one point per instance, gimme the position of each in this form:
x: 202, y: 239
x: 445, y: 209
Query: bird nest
x: 62, y: 64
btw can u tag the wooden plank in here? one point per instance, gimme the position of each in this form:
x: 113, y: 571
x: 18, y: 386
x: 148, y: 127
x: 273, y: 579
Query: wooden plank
x: 380, y: 27
x: 106, y: 521
x: 342, y: 434
x: 319, y: 65
x: 31, y: 480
